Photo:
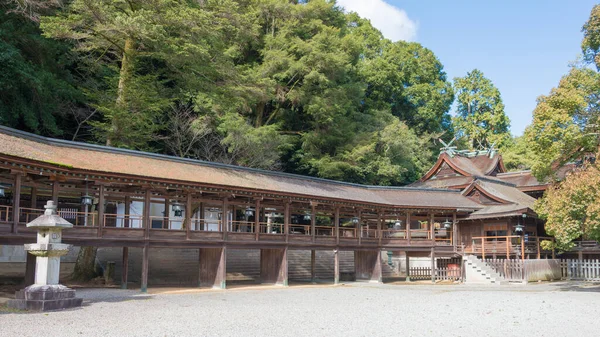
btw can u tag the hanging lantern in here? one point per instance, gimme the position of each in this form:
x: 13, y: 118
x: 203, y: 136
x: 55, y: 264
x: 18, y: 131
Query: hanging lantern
x: 447, y: 224
x: 2, y: 194
x: 397, y: 224
x: 249, y: 212
x: 307, y: 216
x: 519, y: 228
x: 177, y: 208
x: 355, y: 220
x: 87, y: 200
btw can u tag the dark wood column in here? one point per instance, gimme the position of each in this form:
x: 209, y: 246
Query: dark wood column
x: 408, y: 227
x: 34, y: 197
x: 188, y: 215
x: 101, y: 208
x: 379, y: 226
x: 30, y: 269
x: 433, y: 266
x: 455, y: 236
x: 16, y: 202
x: 407, y: 266
x: 125, y: 268
x: 286, y: 220
x: 313, y: 263
x: 257, y: 218
x: 127, y: 211
x: 313, y: 220
x: 336, y: 219
x: 55, y: 187
x: 359, y: 225
x: 225, y: 218
x: 147, y: 222
x: 166, y: 213
x: 144, y: 280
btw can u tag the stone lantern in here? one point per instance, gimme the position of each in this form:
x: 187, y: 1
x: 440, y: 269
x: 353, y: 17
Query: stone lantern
x: 47, y: 293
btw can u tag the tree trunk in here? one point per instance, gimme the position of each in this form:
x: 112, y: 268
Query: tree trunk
x: 125, y: 75
x: 85, y: 266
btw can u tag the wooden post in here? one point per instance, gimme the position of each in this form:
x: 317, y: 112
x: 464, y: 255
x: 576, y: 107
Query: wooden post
x: 408, y: 227
x: 166, y: 214
x: 147, y: 222
x: 125, y: 268
x: 482, y: 247
x: 225, y: 219
x: 508, y: 248
x: 55, y: 186
x: 537, y: 239
x: 523, y: 248
x: 188, y: 215
x: 336, y: 219
x: 433, y: 269
x: 257, y: 218
x: 144, y: 280
x: 313, y: 260
x: 127, y: 211
x: 379, y: 227
x: 336, y: 266
x: 455, y: 237
x: 431, y: 227
x: 407, y: 267
x: 286, y: 221
x: 358, y: 226
x: 17, y: 203
x: 313, y: 220
x: 100, y: 210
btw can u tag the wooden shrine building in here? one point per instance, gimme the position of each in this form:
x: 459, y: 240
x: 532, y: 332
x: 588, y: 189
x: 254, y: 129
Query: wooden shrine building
x: 466, y: 204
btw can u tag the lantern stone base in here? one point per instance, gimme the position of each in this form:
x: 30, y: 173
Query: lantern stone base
x: 45, y: 298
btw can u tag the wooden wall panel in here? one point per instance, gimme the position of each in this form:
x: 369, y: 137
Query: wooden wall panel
x: 212, y: 267
x: 367, y: 265
x: 273, y: 266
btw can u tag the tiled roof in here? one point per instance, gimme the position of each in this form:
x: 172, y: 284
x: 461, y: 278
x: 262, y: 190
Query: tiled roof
x: 514, y: 201
x: 94, y: 158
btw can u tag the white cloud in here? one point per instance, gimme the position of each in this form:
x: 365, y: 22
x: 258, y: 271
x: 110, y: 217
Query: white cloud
x: 392, y: 21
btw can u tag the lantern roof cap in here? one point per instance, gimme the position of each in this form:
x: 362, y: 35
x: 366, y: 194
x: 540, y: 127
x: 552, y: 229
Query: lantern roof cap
x: 49, y: 219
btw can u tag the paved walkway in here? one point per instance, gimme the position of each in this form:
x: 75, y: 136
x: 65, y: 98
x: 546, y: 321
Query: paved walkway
x: 359, y: 309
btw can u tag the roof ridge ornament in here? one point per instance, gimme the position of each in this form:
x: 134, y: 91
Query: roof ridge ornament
x: 448, y: 148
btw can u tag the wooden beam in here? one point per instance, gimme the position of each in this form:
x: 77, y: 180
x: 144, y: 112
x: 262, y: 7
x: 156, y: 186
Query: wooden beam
x: 16, y: 203
x: 225, y: 218
x: 101, y: 209
x: 408, y: 227
x: 188, y: 215
x: 127, y: 211
x: 379, y: 227
x: 359, y: 226
x: 55, y: 187
x: 34, y: 194
x: 125, y: 268
x: 146, y: 217
x: 286, y: 220
x: 313, y: 221
x: 336, y: 218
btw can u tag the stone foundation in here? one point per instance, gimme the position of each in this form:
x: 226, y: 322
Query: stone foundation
x: 45, y: 298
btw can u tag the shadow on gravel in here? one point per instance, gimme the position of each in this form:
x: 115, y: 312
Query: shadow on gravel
x: 592, y: 287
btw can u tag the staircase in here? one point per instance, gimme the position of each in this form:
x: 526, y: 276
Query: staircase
x: 478, y: 272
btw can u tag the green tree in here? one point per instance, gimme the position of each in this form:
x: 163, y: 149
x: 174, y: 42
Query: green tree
x: 590, y: 45
x: 565, y: 122
x: 480, y: 113
x: 572, y: 208
x: 517, y: 154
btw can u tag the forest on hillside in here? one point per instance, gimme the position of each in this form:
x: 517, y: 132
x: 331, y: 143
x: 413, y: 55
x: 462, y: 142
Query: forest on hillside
x: 297, y: 86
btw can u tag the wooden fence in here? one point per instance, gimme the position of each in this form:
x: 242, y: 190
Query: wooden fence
x: 580, y: 270
x: 518, y: 270
x: 441, y: 274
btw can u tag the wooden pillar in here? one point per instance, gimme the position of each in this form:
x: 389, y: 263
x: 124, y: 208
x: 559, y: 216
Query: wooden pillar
x: 212, y: 268
x: 431, y: 227
x: 313, y: 262
x: 286, y: 220
x: 379, y: 227
x: 313, y: 220
x: 433, y: 266
x: 16, y: 202
x: 30, y: 269
x: 336, y: 219
x: 537, y: 239
x: 34, y: 197
x: 408, y: 227
x: 147, y: 222
x: 257, y: 218
x: 125, y: 268
x: 358, y: 226
x: 523, y: 248
x: 225, y: 218
x: 144, y: 280
x: 166, y: 214
x: 483, y: 248
x: 55, y: 186
x: 273, y: 266
x: 455, y: 237
x: 407, y: 267
x: 127, y: 211
x: 336, y: 266
x: 188, y: 215
x: 507, y: 248
x: 101, y: 209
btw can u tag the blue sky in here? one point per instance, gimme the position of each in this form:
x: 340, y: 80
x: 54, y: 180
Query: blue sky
x: 524, y: 47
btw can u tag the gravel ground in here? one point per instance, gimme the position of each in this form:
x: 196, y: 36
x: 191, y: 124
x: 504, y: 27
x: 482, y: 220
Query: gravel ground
x: 556, y: 309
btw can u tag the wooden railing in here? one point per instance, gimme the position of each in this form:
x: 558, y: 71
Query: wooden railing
x: 159, y: 222
x: 507, y: 245
x: 347, y: 232
x: 586, y: 245
x: 5, y: 213
x: 271, y: 228
x: 87, y: 219
x: 123, y: 221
